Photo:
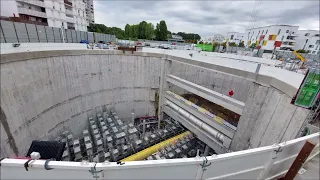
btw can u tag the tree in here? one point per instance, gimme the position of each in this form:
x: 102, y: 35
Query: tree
x: 149, y: 31
x: 224, y: 44
x: 253, y: 45
x: 189, y: 36
x: 233, y: 44
x: 215, y: 44
x: 157, y: 31
x: 241, y: 44
x: 142, y: 30
x: 162, y: 31
x: 127, y: 31
x: 302, y: 51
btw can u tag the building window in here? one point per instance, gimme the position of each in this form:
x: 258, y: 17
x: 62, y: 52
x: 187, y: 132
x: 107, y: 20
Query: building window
x: 279, y: 31
x: 313, y: 52
x: 53, y: 7
x: 318, y: 42
x: 262, y: 31
x: 292, y: 33
x: 307, y: 34
x: 317, y: 47
x: 231, y: 37
x: 282, y: 38
x: 311, y: 46
x: 287, y: 31
x: 267, y: 31
x: 316, y: 35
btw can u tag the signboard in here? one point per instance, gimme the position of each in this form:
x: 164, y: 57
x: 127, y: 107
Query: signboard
x: 309, y: 89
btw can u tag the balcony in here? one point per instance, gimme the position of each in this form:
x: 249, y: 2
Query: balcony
x: 31, y: 12
x: 20, y: 19
x: 69, y: 19
x: 287, y: 45
x: 71, y: 27
x: 33, y: 2
x: 68, y: 3
x: 69, y: 12
x: 289, y: 40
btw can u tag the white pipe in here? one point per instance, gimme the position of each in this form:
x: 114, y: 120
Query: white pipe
x: 196, y: 121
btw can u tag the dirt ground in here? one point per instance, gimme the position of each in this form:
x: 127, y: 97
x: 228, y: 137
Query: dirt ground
x: 215, y: 109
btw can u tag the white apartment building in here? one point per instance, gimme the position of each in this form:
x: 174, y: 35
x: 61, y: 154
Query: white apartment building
x: 214, y: 38
x: 69, y: 14
x: 266, y: 36
x: 308, y: 40
x: 90, y: 11
x: 235, y: 37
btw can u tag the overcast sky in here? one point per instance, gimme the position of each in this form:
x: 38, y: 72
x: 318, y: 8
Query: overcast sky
x: 208, y: 17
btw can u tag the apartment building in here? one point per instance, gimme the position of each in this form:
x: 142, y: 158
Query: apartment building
x: 90, y: 11
x: 69, y: 14
x: 266, y: 36
x: 308, y: 40
x: 235, y: 37
x: 214, y: 38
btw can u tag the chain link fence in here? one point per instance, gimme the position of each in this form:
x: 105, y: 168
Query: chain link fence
x: 17, y: 32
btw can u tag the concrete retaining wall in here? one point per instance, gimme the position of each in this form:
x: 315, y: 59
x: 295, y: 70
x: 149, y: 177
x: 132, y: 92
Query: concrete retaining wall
x: 45, y: 93
x: 268, y: 116
x: 43, y: 97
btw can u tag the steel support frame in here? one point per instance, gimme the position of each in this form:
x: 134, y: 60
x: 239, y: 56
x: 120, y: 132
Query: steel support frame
x: 215, y: 97
x: 216, y: 125
x: 203, y: 136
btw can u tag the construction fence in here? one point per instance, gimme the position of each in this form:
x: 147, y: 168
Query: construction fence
x: 17, y: 32
x: 277, y: 54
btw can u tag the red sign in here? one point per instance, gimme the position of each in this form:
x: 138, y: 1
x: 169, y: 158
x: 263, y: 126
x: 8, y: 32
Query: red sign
x: 277, y: 43
x: 231, y: 93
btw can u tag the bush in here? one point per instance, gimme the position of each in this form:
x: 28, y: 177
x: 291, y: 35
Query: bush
x: 302, y: 51
x: 233, y: 44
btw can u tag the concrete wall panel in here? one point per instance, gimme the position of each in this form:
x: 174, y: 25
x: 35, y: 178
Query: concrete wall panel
x: 53, y: 94
x: 279, y: 122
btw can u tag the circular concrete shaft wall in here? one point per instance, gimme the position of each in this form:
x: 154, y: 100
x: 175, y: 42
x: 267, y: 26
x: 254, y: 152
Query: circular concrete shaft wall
x: 45, y: 93
x: 42, y: 97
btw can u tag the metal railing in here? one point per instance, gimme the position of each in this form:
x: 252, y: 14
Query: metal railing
x: 31, y: 12
x: 16, y: 31
x: 68, y: 2
x: 33, y: 2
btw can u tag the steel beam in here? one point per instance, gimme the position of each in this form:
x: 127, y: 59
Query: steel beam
x: 203, y: 136
x: 215, y: 97
x: 214, y: 124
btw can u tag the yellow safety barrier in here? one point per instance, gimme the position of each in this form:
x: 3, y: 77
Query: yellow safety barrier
x: 299, y: 56
x: 149, y: 151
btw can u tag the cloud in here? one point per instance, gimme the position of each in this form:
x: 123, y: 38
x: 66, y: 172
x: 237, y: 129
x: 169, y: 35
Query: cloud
x: 208, y: 17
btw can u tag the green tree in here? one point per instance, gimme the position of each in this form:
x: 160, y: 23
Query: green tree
x: 241, y: 44
x: 253, y: 45
x: 302, y: 51
x: 127, y: 31
x: 142, y: 30
x: 162, y: 31
x: 149, y: 31
x: 233, y: 44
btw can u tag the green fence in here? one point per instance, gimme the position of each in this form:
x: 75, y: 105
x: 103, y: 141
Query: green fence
x: 205, y: 47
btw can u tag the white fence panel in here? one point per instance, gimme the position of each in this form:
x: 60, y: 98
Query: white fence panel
x: 265, y: 163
